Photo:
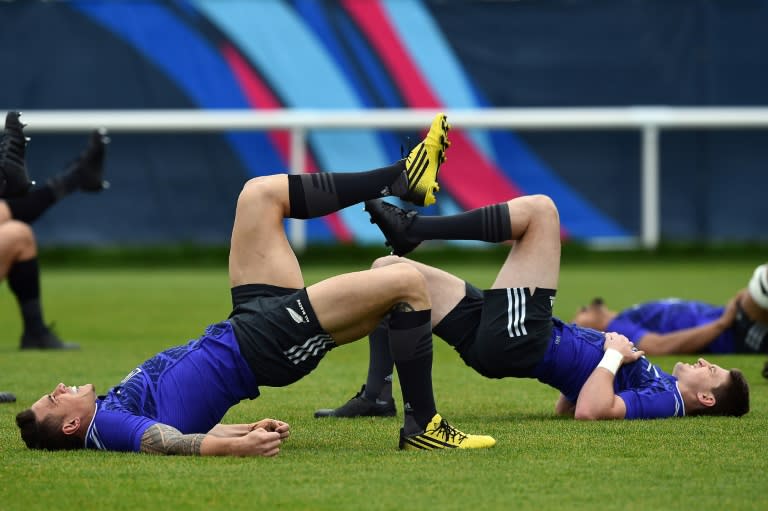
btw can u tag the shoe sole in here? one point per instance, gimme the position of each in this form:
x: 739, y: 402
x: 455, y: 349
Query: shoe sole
x: 425, y: 443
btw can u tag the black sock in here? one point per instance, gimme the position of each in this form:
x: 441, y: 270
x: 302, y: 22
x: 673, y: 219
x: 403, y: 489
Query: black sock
x: 489, y: 223
x: 32, y: 205
x: 410, y: 339
x: 379, y: 364
x: 65, y: 182
x: 320, y: 193
x: 24, y: 281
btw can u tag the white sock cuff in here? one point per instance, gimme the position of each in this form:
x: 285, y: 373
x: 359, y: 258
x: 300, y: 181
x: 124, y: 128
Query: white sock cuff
x: 758, y: 286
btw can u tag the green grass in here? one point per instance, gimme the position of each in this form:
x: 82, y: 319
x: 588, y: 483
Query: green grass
x: 540, y: 462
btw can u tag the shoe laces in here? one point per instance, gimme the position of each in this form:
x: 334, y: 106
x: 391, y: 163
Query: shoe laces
x: 406, y: 215
x: 448, y: 432
x: 401, y: 216
x: 401, y: 213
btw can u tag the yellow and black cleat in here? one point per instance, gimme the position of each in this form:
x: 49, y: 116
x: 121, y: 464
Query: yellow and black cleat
x: 423, y: 163
x: 440, y: 435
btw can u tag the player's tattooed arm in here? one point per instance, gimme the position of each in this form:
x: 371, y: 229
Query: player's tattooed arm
x: 164, y: 439
x: 264, y: 438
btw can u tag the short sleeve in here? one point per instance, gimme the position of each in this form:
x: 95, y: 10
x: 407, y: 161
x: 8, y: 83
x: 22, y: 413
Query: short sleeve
x: 117, y: 431
x: 651, y: 403
x: 628, y: 328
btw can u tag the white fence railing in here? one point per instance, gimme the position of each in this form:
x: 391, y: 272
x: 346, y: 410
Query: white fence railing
x: 647, y: 120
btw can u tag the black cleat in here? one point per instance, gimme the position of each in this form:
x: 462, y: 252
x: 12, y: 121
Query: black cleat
x: 7, y: 397
x: 86, y: 173
x: 14, y: 179
x: 394, y: 223
x: 360, y: 406
x: 89, y: 167
x: 46, y: 340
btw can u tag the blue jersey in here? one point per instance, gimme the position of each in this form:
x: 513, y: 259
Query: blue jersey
x: 665, y: 316
x: 188, y: 387
x: 574, y: 352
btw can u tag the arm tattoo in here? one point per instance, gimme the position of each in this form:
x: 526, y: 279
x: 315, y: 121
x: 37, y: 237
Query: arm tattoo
x: 163, y: 439
x: 403, y: 307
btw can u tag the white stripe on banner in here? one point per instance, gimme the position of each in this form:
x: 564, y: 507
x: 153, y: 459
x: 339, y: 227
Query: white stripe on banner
x: 516, y: 312
x: 313, y: 346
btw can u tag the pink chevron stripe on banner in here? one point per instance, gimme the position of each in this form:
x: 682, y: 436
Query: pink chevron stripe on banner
x: 479, y: 182
x: 259, y: 96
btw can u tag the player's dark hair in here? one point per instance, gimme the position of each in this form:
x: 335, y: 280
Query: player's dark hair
x: 731, y: 398
x: 45, y: 434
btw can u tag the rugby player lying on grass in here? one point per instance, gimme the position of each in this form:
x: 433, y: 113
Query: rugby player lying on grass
x: 668, y: 326
x: 276, y: 334
x: 509, y: 330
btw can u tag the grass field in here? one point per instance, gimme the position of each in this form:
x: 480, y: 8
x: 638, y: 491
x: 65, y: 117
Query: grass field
x: 121, y: 317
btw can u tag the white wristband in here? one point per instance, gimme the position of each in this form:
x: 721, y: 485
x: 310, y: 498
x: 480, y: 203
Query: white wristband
x: 611, y: 360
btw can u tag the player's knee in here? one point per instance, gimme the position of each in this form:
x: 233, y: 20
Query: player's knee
x: 543, y: 208
x: 19, y: 234
x: 545, y: 205
x: 18, y: 243
x: 261, y: 190
x: 381, y: 262
x: 409, y: 284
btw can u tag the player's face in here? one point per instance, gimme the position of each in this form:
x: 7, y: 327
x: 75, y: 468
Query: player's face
x: 702, y: 374
x: 64, y: 400
x: 590, y: 316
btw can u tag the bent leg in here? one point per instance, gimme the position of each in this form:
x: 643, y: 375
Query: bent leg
x: 260, y: 252
x: 445, y: 290
x: 349, y: 306
x: 532, y: 221
x: 534, y: 260
x: 17, y: 243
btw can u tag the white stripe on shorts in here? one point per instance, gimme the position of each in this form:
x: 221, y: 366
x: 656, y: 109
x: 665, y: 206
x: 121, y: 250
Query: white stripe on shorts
x: 755, y: 336
x: 516, y: 312
x: 313, y: 347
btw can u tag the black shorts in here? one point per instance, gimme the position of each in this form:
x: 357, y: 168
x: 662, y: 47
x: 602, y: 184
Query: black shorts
x: 749, y: 336
x: 278, y: 333
x: 500, y: 332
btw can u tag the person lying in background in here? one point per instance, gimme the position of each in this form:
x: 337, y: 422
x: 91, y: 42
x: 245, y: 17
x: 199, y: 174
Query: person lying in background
x: 674, y: 326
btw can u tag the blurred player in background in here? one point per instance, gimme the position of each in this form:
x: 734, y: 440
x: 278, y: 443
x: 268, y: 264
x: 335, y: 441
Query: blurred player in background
x: 684, y: 326
x: 509, y: 330
x: 21, y: 205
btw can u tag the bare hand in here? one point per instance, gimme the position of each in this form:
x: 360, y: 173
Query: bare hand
x: 273, y: 425
x: 729, y: 314
x: 260, y: 442
x: 624, y: 346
